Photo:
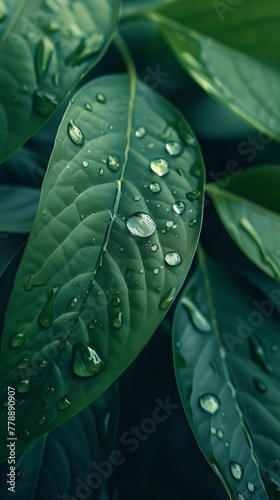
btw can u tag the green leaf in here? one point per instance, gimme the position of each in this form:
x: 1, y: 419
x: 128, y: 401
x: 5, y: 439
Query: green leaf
x: 230, y: 50
x: 226, y: 357
x: 114, y: 236
x: 62, y: 462
x: 18, y: 208
x: 25, y: 168
x: 249, y: 209
x: 48, y: 48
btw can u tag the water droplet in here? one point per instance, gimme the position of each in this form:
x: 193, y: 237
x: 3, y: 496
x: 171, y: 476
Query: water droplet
x: 41, y: 420
x: 196, y: 171
x: 116, y: 302
x: 93, y: 324
x: 50, y: 391
x: 140, y: 132
x: 213, y: 430
x: 86, y: 360
x: 43, y: 56
x: 113, y: 162
x: 240, y: 496
x: 45, y: 318
x: 101, y: 98
x: 46, y: 408
x: 85, y: 163
x: 23, y: 386
x: 101, y: 171
x: 17, y: 339
x: 174, y: 148
x: 236, y: 470
x: 250, y: 487
x: 274, y: 348
x: 154, y: 248
x: 226, y: 444
x: 192, y: 222
x: 3, y: 11
x: 50, y: 26
x: 88, y: 106
x: 43, y: 363
x: 141, y: 224
x: 137, y: 198
x: 160, y: 166
x: 121, y: 249
x: 167, y: 299
x: 129, y: 273
x: 44, y: 212
x: 193, y: 195
x: 260, y: 385
x: 179, y: 207
x: 23, y: 363
x: 258, y: 354
x: 63, y: 404
x: 73, y: 303
x: 44, y: 103
x: 220, y: 434
x: 173, y: 259
x: 155, y: 187
x: 86, y: 49
x: 156, y: 270
x: 209, y: 403
x: 75, y: 133
x: 197, y: 318
x: 118, y: 320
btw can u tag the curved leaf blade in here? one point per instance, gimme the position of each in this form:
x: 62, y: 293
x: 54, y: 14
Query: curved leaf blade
x: 228, y: 377
x: 110, y: 247
x: 249, y: 209
x: 229, y: 50
x: 51, y: 46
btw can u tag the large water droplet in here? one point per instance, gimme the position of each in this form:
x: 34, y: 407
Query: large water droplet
x: 101, y: 98
x: 113, y: 162
x: 86, y: 50
x: 43, y: 56
x: 167, y: 299
x: 173, y: 259
x: 17, y: 339
x: 63, y: 404
x: 209, y: 403
x: 23, y: 386
x: 174, y: 148
x: 23, y: 363
x: 140, y: 132
x: 198, y: 320
x: 160, y: 166
x: 260, y: 385
x: 75, y: 133
x: 141, y: 224
x: 155, y: 187
x: 193, y: 195
x: 86, y: 361
x: 44, y: 103
x: 236, y: 470
x: 179, y: 207
x: 45, y: 318
x: 118, y: 320
x: 250, y: 487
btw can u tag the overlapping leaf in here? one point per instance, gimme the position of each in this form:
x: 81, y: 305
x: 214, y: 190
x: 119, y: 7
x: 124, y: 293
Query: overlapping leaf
x: 249, y: 208
x: 226, y: 356
x: 115, y: 233
x: 229, y: 48
x: 18, y: 208
x: 47, y: 47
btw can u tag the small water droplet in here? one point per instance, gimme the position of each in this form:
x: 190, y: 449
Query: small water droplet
x: 258, y: 354
x: 155, y: 187
x: 213, y: 430
x: 63, y: 404
x: 141, y: 224
x: 196, y: 171
x: 156, y: 270
x: 173, y: 259
x: 140, y: 132
x: 240, y: 496
x: 41, y: 420
x: 192, y: 222
x: 93, y: 324
x: 86, y: 49
x: 85, y: 163
x: 260, y: 385
x: 17, y: 339
x: 197, y: 318
x: 45, y: 318
x: 101, y: 171
x: 160, y: 166
x: 179, y: 207
x: 101, y: 98
x: 116, y: 302
x: 236, y: 470
x: 193, y: 195
x: 44, y: 103
x: 154, y: 248
x: 23, y: 386
x: 226, y: 444
x: 250, y: 487
x: 75, y: 133
x: 43, y: 363
x: 23, y: 363
x: 137, y: 198
x: 43, y: 56
x: 46, y: 408
x: 44, y: 212
x: 50, y: 391
x: 86, y: 360
x: 209, y: 403
x: 118, y: 320
x: 220, y: 434
x: 73, y: 303
x: 174, y: 148
x: 167, y: 298
x: 129, y: 273
x: 113, y: 162
x: 88, y: 106
x: 121, y: 249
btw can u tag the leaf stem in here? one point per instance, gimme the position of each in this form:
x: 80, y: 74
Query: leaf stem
x: 125, y: 54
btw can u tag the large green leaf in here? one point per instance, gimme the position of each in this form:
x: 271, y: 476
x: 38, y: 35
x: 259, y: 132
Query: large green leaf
x: 72, y: 459
x: 113, y: 239
x: 249, y: 208
x: 48, y: 48
x: 18, y: 208
x: 226, y: 356
x: 231, y: 51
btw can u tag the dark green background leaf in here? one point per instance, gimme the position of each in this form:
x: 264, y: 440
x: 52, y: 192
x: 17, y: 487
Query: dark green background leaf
x: 18, y: 208
x: 226, y: 356
x: 109, y: 249
x: 49, y: 48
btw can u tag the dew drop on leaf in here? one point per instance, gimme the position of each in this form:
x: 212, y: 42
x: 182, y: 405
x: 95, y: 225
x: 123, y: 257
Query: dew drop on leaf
x: 192, y: 222
x: 85, y: 164
x: 101, y: 98
x: 113, y: 162
x: 43, y: 56
x: 86, y: 50
x: 73, y: 303
x: 167, y: 298
x: 140, y: 132
x: 260, y: 385
x: 174, y: 148
x: 41, y: 420
x: 155, y: 187
x: 209, y: 403
x: 45, y: 318
x: 179, y: 207
x: 141, y: 224
x: 63, y: 404
x: 23, y: 363
x: 116, y: 302
x: 50, y: 391
x: 250, y: 486
x: 236, y: 470
x: 88, y: 106
x: 44, y: 103
x: 240, y: 496
x: 118, y: 320
x: 220, y: 434
x: 173, y: 259
x: 197, y: 318
x: 46, y: 408
x: 193, y: 195
x: 101, y: 171
x: 213, y: 430
x: 86, y: 360
x: 160, y: 166
x: 23, y: 386
x: 156, y: 270
x: 93, y: 324
x: 17, y: 339
x: 75, y: 133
